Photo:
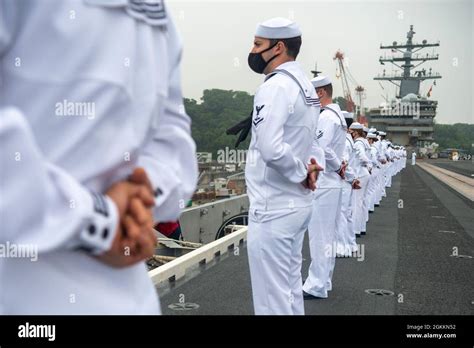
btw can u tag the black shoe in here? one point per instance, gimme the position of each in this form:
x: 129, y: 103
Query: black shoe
x: 307, y: 296
x: 363, y: 233
x: 357, y: 235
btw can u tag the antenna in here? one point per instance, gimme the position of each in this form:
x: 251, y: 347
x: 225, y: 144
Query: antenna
x: 315, y: 72
x: 407, y: 81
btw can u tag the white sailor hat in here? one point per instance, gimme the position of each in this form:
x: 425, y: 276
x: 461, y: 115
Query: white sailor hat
x: 382, y: 133
x: 347, y: 114
x: 278, y: 28
x: 356, y: 125
x: 366, y: 130
x: 372, y: 130
x: 320, y: 81
x: 371, y: 136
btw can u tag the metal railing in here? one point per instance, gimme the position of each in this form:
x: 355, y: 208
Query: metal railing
x: 179, y: 267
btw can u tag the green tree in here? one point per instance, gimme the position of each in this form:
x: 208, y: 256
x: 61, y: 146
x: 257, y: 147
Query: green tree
x: 217, y: 111
x: 341, y: 101
x: 458, y: 135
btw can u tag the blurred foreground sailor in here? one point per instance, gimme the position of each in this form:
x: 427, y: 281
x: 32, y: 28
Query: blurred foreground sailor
x: 79, y: 112
x: 285, y: 114
x: 331, y: 137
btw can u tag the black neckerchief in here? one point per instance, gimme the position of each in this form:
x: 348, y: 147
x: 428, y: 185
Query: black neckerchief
x: 245, y: 126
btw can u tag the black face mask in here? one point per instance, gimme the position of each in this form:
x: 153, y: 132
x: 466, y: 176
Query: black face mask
x: 256, y: 61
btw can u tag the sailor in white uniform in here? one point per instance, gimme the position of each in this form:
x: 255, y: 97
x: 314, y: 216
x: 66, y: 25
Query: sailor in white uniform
x: 94, y: 90
x: 400, y: 159
x: 391, y: 159
x: 363, y: 163
x: 381, y: 179
x: 413, y: 158
x: 331, y: 136
x: 397, y: 152
x: 384, y: 146
x: 345, y: 236
x: 285, y: 115
x: 375, y: 174
x: 365, y: 203
x: 380, y: 160
x: 395, y: 159
x: 404, y: 157
x: 389, y: 166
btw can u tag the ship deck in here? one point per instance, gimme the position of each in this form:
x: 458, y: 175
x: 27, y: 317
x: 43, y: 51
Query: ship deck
x: 409, y: 251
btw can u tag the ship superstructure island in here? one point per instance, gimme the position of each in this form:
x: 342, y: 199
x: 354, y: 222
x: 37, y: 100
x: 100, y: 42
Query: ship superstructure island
x: 408, y: 119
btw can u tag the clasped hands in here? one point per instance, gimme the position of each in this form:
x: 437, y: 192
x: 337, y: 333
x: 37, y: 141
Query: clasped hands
x: 312, y: 176
x: 342, y: 170
x: 134, y: 239
x: 356, y: 184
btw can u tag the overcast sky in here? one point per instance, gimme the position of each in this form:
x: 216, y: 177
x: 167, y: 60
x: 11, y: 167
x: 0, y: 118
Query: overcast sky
x: 217, y: 36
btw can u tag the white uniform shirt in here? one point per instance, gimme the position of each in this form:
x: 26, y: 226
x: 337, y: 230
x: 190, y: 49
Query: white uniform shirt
x: 367, y: 150
x: 380, y: 156
x: 374, y: 155
x: 348, y: 156
x: 98, y: 93
x: 282, y: 133
x: 385, y: 149
x: 362, y: 162
x: 391, y: 153
x: 331, y: 136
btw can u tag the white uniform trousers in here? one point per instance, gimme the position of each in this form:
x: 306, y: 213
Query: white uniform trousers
x: 384, y: 179
x: 372, y: 188
x: 345, y: 237
x: 380, y: 188
x: 388, y: 176
x: 358, y: 201
x: 351, y: 229
x: 365, y: 204
x: 322, y: 236
x: 392, y: 169
x: 274, y: 243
